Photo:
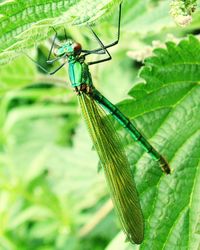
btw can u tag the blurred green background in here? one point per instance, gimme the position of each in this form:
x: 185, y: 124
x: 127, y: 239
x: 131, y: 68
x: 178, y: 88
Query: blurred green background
x: 51, y: 194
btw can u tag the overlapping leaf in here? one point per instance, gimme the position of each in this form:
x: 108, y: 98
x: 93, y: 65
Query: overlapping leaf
x: 167, y: 109
x: 23, y: 23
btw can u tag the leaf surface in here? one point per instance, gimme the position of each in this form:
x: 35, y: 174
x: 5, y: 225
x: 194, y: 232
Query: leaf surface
x: 167, y: 109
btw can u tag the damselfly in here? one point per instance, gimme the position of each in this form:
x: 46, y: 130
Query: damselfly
x: 107, y: 143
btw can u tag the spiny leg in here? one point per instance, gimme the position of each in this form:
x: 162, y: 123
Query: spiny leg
x: 49, y: 55
x: 42, y: 68
x: 102, y: 48
x: 99, y: 50
x: 52, y: 46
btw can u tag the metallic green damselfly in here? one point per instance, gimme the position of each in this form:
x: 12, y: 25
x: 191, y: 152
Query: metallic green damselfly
x: 106, y: 141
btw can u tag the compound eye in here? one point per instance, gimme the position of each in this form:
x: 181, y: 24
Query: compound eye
x: 77, y: 48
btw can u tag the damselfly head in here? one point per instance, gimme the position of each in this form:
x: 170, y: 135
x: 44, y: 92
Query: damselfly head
x: 70, y: 48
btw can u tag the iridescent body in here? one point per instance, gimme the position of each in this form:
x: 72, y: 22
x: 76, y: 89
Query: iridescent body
x: 107, y: 143
x: 81, y: 80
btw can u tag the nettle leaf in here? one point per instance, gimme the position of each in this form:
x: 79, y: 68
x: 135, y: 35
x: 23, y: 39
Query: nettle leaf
x: 23, y: 23
x: 166, y: 108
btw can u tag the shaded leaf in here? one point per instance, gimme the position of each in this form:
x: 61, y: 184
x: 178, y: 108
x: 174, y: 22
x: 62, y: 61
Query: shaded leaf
x: 169, y: 105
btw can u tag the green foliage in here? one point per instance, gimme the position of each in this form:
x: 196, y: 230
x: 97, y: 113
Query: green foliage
x: 22, y: 23
x: 169, y: 106
x: 51, y: 194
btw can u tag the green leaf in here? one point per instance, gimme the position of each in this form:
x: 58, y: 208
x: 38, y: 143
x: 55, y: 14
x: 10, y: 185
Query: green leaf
x: 167, y: 111
x: 23, y: 23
